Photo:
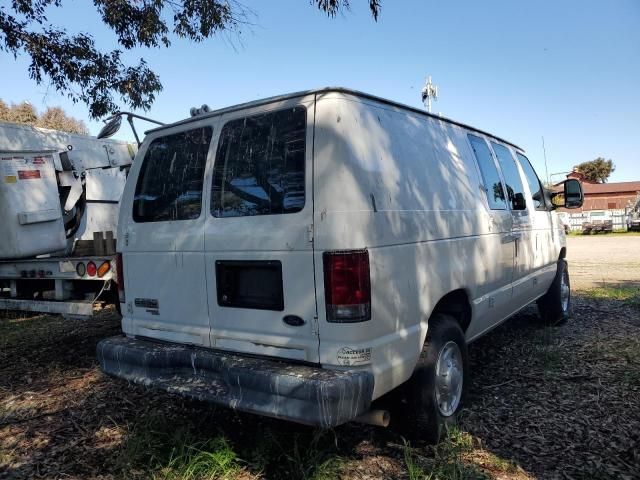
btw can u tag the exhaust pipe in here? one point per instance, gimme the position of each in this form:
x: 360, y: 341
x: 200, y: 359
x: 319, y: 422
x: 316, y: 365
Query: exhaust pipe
x: 378, y: 418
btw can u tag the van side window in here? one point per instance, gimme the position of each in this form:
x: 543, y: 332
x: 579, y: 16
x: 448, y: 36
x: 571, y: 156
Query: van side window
x: 512, y: 179
x: 489, y: 171
x: 259, y: 167
x: 534, y: 182
x: 171, y: 177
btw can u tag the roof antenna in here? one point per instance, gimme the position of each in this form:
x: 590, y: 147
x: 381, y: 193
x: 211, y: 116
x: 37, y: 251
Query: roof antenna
x: 546, y: 169
x: 429, y: 91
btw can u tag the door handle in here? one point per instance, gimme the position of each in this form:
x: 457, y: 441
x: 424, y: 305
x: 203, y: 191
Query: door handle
x: 512, y: 237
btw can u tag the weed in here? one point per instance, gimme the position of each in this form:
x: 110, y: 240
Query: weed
x: 496, y: 463
x: 214, y: 459
x: 450, y: 455
x: 413, y: 469
x: 623, y: 293
x: 329, y: 469
x: 308, y: 457
x: 450, y: 460
x: 171, y: 452
x: 147, y: 442
x: 6, y: 458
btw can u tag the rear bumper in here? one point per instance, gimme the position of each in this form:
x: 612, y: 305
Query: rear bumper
x: 299, y: 393
x: 66, y: 307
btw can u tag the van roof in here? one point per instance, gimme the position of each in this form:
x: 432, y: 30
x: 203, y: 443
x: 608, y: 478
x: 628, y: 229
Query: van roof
x: 348, y: 91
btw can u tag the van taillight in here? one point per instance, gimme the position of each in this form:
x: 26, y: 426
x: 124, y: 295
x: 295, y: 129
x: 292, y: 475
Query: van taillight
x: 120, y: 277
x: 347, y: 286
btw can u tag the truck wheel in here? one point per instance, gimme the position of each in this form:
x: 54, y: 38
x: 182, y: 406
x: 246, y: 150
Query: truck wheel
x: 555, y: 305
x: 436, y: 390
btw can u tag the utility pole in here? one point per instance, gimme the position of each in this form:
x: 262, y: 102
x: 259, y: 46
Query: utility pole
x: 429, y: 91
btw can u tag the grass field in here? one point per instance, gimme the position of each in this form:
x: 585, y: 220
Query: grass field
x: 621, y: 232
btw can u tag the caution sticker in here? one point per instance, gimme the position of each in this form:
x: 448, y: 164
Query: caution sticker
x: 10, y: 179
x: 354, y: 356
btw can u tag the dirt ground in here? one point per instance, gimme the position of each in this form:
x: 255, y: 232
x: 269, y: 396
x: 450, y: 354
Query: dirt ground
x: 597, y: 260
x: 545, y: 402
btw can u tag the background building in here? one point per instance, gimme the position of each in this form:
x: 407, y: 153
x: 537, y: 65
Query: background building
x: 607, y: 196
x: 613, y: 202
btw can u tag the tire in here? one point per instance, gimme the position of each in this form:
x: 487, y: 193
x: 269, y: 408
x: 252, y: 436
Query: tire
x: 555, y: 305
x: 426, y: 414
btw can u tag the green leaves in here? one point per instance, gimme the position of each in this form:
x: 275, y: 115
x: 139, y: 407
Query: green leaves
x: 53, y: 118
x: 597, y: 170
x: 332, y: 7
x: 77, y: 68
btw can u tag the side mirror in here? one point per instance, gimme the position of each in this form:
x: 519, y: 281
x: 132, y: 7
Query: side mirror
x: 112, y: 126
x: 570, y: 197
x: 518, y: 202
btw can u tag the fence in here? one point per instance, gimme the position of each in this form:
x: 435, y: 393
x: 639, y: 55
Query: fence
x: 575, y: 221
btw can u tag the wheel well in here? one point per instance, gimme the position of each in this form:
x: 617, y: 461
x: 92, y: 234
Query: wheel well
x: 457, y: 305
x: 563, y: 253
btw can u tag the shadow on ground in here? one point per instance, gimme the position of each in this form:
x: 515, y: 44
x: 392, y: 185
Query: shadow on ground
x: 545, y: 402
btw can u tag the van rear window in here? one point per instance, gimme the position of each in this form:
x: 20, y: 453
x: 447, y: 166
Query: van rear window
x: 170, y: 182
x: 259, y: 167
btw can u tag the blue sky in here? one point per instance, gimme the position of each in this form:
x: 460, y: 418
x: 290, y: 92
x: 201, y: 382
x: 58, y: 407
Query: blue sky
x: 566, y: 70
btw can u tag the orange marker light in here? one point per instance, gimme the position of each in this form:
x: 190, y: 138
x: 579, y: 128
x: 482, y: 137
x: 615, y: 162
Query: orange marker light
x: 103, y: 269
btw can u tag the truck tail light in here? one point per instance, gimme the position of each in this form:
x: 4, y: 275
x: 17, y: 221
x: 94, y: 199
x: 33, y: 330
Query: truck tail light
x: 92, y: 269
x: 120, y: 277
x: 81, y: 269
x: 347, y: 286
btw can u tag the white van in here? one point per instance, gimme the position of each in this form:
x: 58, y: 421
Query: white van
x: 301, y: 256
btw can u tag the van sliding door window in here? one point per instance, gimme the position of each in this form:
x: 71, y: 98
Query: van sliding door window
x: 489, y: 171
x: 259, y: 167
x: 515, y: 189
x: 534, y: 182
x: 170, y: 182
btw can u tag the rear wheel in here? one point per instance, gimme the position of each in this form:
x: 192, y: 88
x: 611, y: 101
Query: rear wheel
x: 555, y: 305
x: 435, y: 392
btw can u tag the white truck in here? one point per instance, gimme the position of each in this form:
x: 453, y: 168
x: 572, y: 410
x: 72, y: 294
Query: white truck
x: 59, y: 198
x: 301, y: 256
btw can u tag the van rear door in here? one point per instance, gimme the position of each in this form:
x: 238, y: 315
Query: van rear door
x: 162, y: 238
x: 258, y: 233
